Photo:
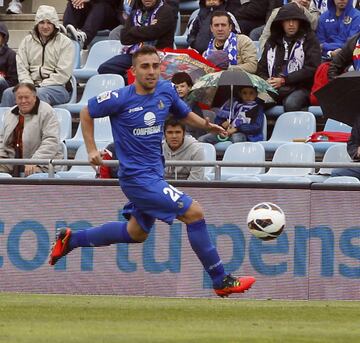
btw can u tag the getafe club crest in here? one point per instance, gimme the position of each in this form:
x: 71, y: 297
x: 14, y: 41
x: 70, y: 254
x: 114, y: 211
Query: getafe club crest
x: 347, y: 20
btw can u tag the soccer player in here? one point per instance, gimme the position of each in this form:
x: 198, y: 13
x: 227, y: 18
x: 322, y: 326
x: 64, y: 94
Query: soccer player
x: 137, y: 114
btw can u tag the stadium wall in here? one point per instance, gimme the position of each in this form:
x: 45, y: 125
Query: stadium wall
x: 317, y: 256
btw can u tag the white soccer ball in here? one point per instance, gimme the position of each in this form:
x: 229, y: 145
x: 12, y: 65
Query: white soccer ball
x: 266, y: 221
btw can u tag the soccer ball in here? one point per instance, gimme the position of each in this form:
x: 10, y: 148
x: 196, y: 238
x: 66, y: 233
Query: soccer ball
x: 266, y: 221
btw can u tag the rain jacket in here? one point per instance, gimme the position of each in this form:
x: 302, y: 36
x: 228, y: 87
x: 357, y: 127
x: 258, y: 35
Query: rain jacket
x: 7, y: 59
x: 45, y: 64
x: 41, y: 135
x: 333, y: 31
x: 302, y: 78
x: 190, y: 150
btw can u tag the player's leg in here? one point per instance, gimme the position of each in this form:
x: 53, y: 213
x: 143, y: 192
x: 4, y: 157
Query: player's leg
x: 207, y: 253
x: 106, y: 234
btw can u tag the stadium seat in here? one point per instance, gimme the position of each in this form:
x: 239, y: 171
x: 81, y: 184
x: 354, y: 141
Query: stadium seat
x: 102, y: 133
x: 290, y: 126
x: 275, y: 111
x: 181, y: 40
x: 342, y: 179
x: 77, y: 57
x: 100, y: 36
x: 330, y: 125
x: 73, y: 96
x: 100, y: 52
x: 244, y: 178
x: 316, y: 111
x: 5, y: 175
x: 76, y: 172
x: 65, y: 120
x: 210, y: 156
x: 95, y: 85
x: 258, y: 51
x: 186, y: 6
x: 242, y: 152
x: 290, y: 153
x: 3, y: 110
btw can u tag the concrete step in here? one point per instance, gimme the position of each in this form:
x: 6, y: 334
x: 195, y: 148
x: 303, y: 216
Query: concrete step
x: 15, y: 37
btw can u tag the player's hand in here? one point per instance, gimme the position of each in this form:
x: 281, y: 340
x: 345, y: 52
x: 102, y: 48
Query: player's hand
x: 213, y: 128
x: 95, y: 158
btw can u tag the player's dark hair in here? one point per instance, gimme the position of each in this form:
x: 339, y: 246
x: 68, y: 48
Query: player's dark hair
x: 28, y: 85
x: 145, y: 50
x: 181, y: 77
x: 172, y: 121
x: 221, y: 14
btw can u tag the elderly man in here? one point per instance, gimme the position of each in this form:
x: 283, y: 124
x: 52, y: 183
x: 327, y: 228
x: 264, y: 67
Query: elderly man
x: 179, y: 147
x: 45, y: 58
x: 30, y: 130
x: 151, y: 22
x: 239, y: 50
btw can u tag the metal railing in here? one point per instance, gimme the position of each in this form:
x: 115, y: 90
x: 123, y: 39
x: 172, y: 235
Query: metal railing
x: 216, y: 164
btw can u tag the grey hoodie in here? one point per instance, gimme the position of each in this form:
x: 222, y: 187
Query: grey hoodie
x: 191, y: 150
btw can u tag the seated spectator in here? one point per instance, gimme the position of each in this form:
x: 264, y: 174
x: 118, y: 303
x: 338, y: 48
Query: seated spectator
x: 30, y: 130
x: 245, y: 122
x: 45, y: 58
x: 311, y: 12
x: 8, y: 73
x: 290, y: 58
x: 346, y: 57
x: 179, y: 147
x: 336, y: 26
x: 151, y: 22
x: 353, y: 149
x: 240, y: 49
x: 84, y: 18
x: 183, y: 84
x: 200, y: 33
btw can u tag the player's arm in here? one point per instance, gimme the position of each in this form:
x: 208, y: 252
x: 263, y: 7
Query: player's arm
x: 87, y: 127
x: 194, y: 120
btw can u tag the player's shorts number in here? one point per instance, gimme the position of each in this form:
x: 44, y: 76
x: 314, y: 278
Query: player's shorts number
x: 173, y: 192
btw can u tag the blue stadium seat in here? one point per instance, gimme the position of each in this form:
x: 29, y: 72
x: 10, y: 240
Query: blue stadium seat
x: 77, y: 57
x: 100, y: 52
x: 95, y: 85
x: 102, y: 133
x: 181, y: 40
x: 342, y: 179
x: 210, y: 156
x: 316, y: 111
x: 3, y: 110
x: 5, y: 176
x: 275, y: 111
x: 290, y: 126
x: 186, y: 6
x: 65, y: 120
x: 290, y: 153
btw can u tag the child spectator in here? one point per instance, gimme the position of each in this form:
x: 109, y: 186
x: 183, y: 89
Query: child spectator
x: 183, y: 84
x: 8, y: 73
x: 245, y: 122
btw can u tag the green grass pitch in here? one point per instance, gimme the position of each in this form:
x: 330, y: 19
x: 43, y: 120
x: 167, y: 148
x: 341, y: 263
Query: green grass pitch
x: 95, y: 319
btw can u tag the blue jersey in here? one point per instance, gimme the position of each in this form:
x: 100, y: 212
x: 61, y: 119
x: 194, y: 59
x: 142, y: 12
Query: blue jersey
x: 137, y: 123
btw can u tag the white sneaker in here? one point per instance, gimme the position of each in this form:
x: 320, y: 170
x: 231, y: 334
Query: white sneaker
x: 77, y: 35
x: 62, y: 29
x: 15, y: 7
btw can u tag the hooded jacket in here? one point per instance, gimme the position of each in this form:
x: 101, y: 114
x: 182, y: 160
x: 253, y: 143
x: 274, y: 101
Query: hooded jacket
x: 190, y: 150
x: 45, y: 64
x: 7, y: 59
x: 302, y: 78
x: 333, y: 31
x: 41, y: 135
x: 162, y: 32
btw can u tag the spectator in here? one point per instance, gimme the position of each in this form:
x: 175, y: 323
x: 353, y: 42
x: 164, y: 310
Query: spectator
x: 30, y: 130
x: 240, y: 49
x: 179, y: 147
x: 347, y: 56
x: 245, y: 123
x: 45, y: 58
x: 290, y: 58
x: 151, y: 22
x: 200, y: 33
x: 183, y: 84
x: 8, y: 73
x: 336, y: 26
x: 353, y: 149
x: 311, y: 12
x: 84, y: 18
x: 14, y: 7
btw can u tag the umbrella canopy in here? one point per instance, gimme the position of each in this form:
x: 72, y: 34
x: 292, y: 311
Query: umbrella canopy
x: 339, y: 98
x: 215, y: 88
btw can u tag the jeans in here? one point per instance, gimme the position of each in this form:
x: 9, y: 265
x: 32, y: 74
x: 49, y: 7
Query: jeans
x: 53, y: 95
x: 355, y: 172
x: 118, y: 64
x: 212, y: 138
x: 296, y: 100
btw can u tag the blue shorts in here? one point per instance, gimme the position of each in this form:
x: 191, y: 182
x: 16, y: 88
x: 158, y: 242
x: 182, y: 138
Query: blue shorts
x: 154, y: 200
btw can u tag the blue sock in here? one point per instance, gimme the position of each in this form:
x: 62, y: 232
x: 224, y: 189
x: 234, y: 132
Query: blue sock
x: 106, y: 234
x: 205, y: 251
